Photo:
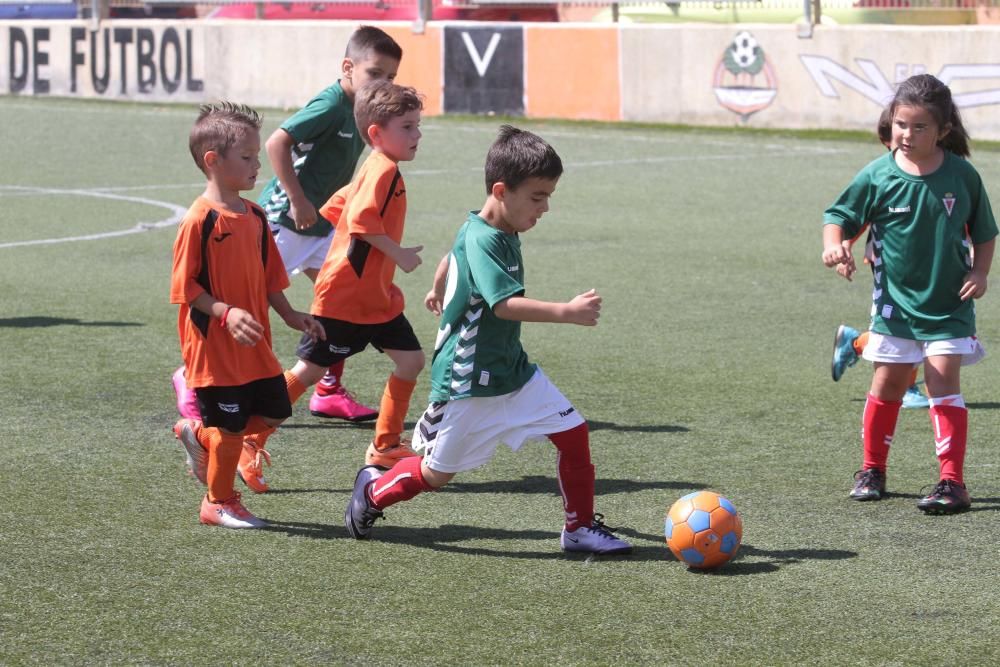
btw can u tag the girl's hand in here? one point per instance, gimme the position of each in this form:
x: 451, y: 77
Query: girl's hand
x: 834, y: 254
x: 974, y: 286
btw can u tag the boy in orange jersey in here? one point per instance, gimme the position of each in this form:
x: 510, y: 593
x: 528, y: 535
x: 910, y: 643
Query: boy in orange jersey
x: 314, y: 154
x: 355, y: 300
x: 226, y: 271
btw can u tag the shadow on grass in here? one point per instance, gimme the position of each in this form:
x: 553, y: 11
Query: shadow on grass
x: 324, y: 423
x: 450, y: 538
x: 767, y: 560
x: 40, y: 321
x: 550, y: 485
x: 596, y: 425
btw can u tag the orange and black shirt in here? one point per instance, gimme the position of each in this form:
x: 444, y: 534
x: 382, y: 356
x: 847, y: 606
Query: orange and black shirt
x: 232, y: 256
x: 355, y: 283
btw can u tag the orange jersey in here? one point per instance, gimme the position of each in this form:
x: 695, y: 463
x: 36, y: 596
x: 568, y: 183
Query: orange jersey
x: 232, y: 257
x: 355, y: 283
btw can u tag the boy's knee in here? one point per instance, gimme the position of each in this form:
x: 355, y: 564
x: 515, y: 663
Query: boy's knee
x: 409, y: 366
x: 308, y: 373
x: 435, y: 478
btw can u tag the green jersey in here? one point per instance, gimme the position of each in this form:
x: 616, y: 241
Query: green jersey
x: 921, y: 230
x: 477, y: 353
x: 326, y: 151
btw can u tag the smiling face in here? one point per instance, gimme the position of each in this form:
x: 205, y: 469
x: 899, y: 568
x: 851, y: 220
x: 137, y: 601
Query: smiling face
x: 399, y: 138
x: 373, y: 67
x: 521, y: 207
x: 916, y: 133
x: 236, y: 171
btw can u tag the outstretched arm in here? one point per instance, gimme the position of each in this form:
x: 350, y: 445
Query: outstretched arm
x: 405, y: 258
x: 583, y: 309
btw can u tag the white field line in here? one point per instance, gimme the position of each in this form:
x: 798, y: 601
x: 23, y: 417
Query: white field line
x: 592, y: 133
x: 177, y: 213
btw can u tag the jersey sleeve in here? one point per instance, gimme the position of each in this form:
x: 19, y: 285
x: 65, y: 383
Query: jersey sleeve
x: 364, y: 212
x: 184, y: 286
x: 853, y: 207
x: 318, y: 116
x: 488, y: 261
x: 334, y: 206
x: 982, y: 226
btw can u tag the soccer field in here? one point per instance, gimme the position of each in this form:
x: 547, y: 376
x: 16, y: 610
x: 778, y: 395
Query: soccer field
x: 709, y: 369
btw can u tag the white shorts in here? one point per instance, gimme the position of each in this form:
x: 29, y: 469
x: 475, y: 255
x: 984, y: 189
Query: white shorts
x: 464, y: 434
x: 893, y: 350
x: 300, y: 252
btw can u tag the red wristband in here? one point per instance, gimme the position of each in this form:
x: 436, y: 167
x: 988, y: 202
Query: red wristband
x: 222, y: 320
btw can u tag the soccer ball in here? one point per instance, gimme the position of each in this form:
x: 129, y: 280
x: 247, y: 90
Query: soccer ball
x: 703, y: 529
x: 744, y: 49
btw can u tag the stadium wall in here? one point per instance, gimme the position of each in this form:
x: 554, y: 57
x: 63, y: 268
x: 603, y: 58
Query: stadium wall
x: 699, y: 74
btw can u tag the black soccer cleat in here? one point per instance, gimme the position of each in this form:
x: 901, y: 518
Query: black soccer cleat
x: 868, y: 485
x: 948, y: 497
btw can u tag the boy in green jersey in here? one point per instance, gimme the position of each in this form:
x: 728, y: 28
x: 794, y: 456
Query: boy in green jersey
x: 484, y: 390
x: 926, y: 205
x: 314, y: 154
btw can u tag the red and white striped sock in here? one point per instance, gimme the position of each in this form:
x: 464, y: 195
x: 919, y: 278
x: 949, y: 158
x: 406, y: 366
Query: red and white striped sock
x: 950, y: 420
x: 877, y: 428
x: 402, y: 482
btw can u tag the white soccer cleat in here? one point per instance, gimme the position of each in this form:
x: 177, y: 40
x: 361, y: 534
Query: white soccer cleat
x: 596, y: 538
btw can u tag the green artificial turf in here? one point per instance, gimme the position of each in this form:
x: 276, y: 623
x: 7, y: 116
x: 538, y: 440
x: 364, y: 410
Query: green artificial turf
x: 709, y: 369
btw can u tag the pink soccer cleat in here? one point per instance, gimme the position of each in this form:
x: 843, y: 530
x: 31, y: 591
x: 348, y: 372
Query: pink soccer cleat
x: 340, y: 405
x: 187, y: 400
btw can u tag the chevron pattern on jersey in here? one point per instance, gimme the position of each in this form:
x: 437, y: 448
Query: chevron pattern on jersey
x: 465, y: 349
x: 430, y: 421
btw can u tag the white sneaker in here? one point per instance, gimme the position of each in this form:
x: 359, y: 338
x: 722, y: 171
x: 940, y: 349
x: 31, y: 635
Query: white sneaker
x: 360, y: 514
x: 596, y: 538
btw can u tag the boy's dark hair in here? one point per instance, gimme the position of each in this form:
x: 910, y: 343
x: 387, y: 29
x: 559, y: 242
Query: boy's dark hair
x: 219, y: 127
x: 884, y: 127
x: 927, y: 92
x: 518, y: 155
x: 380, y: 101
x: 368, y: 39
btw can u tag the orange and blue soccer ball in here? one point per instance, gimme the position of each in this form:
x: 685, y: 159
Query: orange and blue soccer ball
x: 703, y: 529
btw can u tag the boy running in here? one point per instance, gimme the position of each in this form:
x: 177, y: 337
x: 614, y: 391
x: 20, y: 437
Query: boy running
x: 356, y: 301
x: 314, y: 154
x: 484, y: 389
x: 226, y: 271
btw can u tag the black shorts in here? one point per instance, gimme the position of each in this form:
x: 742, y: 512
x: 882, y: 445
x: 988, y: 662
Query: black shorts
x: 344, y: 339
x: 230, y: 408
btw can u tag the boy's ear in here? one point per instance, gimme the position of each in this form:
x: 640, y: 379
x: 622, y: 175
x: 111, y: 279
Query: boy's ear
x: 210, y: 159
x: 374, y: 133
x: 347, y: 68
x: 498, y: 190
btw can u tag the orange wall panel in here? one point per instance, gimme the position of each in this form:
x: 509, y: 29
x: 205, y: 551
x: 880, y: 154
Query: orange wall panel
x: 572, y: 73
x: 421, y: 66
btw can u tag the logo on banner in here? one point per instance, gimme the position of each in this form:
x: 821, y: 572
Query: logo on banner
x: 949, y: 202
x: 744, y: 79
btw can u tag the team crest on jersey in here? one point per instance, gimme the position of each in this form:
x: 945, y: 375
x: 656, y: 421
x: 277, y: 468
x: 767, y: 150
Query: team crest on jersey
x: 949, y: 202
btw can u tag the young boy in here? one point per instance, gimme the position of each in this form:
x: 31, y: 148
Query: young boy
x: 314, y: 154
x: 226, y: 271
x: 484, y: 390
x: 355, y: 300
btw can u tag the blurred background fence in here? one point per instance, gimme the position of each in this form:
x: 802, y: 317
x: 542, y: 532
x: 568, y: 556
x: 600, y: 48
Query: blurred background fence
x: 927, y: 12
